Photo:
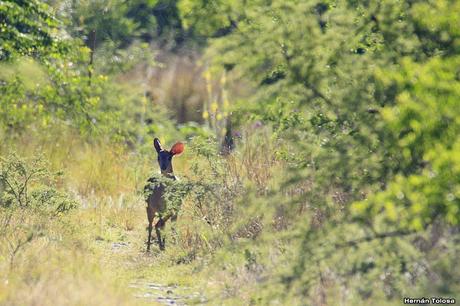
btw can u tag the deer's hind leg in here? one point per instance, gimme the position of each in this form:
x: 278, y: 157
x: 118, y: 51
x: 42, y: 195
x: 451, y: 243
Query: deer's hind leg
x: 150, y: 216
x: 159, y: 226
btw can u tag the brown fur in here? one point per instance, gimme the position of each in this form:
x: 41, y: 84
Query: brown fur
x: 156, y: 205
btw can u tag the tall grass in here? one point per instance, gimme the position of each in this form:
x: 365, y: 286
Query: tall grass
x: 65, y: 261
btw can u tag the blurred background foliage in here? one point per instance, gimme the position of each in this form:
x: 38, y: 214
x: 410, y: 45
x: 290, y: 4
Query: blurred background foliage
x: 323, y: 138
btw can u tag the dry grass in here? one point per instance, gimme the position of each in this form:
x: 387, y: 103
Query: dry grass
x: 80, y: 268
x: 65, y: 265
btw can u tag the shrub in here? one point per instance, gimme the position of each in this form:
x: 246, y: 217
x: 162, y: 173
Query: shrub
x: 29, y: 202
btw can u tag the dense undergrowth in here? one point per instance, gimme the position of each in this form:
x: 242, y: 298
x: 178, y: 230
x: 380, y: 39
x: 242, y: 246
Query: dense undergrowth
x: 321, y: 165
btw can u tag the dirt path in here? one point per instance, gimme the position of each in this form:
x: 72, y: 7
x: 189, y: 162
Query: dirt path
x: 166, y: 295
x: 151, y: 291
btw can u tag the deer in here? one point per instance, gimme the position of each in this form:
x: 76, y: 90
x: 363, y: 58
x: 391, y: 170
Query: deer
x: 156, y: 204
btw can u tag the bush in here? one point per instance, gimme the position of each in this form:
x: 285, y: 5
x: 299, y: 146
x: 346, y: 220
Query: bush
x: 29, y: 202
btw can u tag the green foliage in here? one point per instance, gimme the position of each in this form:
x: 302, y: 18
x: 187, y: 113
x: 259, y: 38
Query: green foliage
x: 210, y: 18
x: 109, y: 59
x: 363, y: 102
x: 436, y: 23
x: 62, y: 93
x: 425, y: 123
x: 61, y: 90
x: 28, y: 28
x: 100, y: 21
x: 78, y: 86
x: 122, y: 23
x: 30, y: 185
x: 29, y: 203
